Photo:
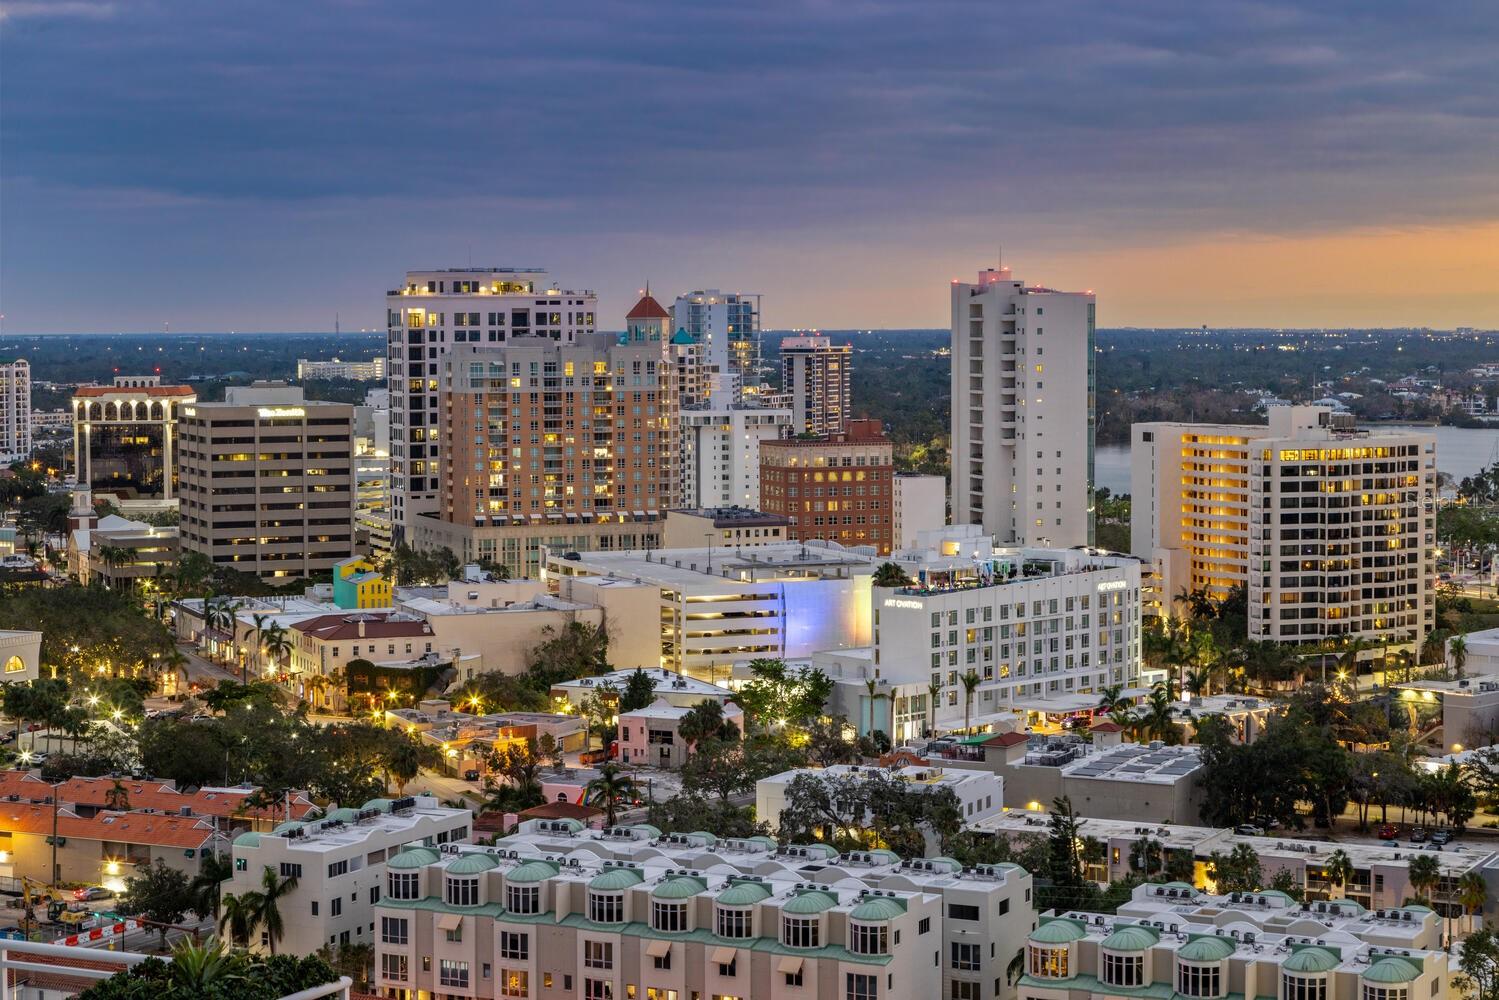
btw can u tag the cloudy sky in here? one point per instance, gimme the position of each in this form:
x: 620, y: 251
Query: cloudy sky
x: 263, y: 165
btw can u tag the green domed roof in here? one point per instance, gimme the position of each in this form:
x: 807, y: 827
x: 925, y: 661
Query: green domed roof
x: 1391, y: 969
x: 743, y: 894
x: 1310, y: 960
x: 767, y: 842
x: 531, y: 871
x: 951, y: 864
x: 616, y: 879
x: 247, y: 839
x: 1206, y: 949
x: 1276, y: 893
x: 826, y: 850
x: 1181, y: 885
x: 885, y: 857
x: 417, y: 857
x: 814, y: 901
x: 1132, y: 937
x: 472, y: 864
x: 710, y: 838
x: 878, y: 908
x: 679, y: 887
x: 346, y: 815
x: 1418, y: 908
x: 647, y: 829
x: 381, y: 804
x: 290, y: 824
x: 1058, y: 932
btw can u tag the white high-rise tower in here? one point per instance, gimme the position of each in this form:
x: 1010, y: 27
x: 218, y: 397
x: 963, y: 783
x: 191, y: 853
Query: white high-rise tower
x: 1023, y: 383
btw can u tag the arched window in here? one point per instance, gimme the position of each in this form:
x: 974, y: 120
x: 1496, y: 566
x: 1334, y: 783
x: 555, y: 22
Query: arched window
x: 1123, y: 970
x: 14, y: 665
x: 1048, y: 963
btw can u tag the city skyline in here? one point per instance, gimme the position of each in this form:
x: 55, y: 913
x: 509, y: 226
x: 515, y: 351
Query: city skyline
x: 1294, y: 165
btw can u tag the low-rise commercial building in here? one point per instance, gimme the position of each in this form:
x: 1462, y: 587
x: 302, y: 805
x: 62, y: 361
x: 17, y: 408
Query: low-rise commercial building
x: 340, y: 866
x: 560, y: 912
x: 53, y: 842
x: 225, y: 807
x: 653, y: 735
x: 726, y: 527
x: 122, y: 553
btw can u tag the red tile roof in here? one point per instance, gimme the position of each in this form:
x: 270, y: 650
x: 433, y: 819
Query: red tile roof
x: 151, y: 829
x: 1007, y: 740
x: 87, y: 391
x: 648, y: 308
x: 1106, y: 727
x: 156, y: 795
x: 561, y: 810
x: 376, y: 626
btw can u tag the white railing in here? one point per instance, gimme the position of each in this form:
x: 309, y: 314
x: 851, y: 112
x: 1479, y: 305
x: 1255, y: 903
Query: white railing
x: 9, y: 964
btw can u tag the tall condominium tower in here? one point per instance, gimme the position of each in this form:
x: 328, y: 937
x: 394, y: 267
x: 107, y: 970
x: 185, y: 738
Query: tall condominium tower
x: 727, y: 325
x: 15, y: 410
x: 1023, y: 383
x: 818, y: 376
x: 570, y: 444
x: 428, y: 314
x: 1331, y: 529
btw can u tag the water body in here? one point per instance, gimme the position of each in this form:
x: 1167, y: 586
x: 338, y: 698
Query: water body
x: 1461, y: 451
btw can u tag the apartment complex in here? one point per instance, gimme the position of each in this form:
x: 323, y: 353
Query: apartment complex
x: 721, y: 452
x: 1171, y: 941
x: 339, y: 863
x: 1332, y: 528
x: 1022, y: 419
x: 372, y: 370
x: 837, y: 487
x: 555, y: 911
x: 548, y: 441
x: 726, y: 327
x: 1043, y: 629
x: 434, y: 310
x: 267, y: 481
x: 15, y: 410
x: 125, y: 436
x: 818, y: 376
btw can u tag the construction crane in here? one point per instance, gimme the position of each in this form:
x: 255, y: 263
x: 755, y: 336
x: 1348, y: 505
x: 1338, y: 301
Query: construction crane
x: 32, y: 893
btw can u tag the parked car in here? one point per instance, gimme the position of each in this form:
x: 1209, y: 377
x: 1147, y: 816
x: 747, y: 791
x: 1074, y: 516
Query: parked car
x: 93, y: 892
x: 472, y: 774
x: 1418, y: 835
x: 1249, y: 830
x: 1440, y: 837
x: 1387, y: 832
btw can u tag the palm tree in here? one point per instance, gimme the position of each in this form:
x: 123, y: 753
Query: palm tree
x: 704, y: 721
x: 1198, y: 683
x: 221, y: 615
x: 875, y: 694
x: 117, y: 799
x: 259, y: 620
x: 933, y: 693
x: 273, y: 889
x: 207, y: 886
x: 239, y: 916
x: 1472, y: 895
x: 1457, y: 652
x: 1423, y: 874
x: 1157, y: 722
x: 1339, y: 868
x: 970, y: 681
x: 610, y: 786
x: 1111, y: 699
x: 890, y: 575
x: 277, y: 644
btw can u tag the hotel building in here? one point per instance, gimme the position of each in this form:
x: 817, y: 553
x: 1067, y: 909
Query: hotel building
x: 1022, y: 419
x: 563, y: 443
x: 434, y: 310
x: 1332, y: 528
x: 1172, y: 941
x: 125, y: 436
x: 340, y: 866
x: 1044, y: 629
x: 15, y: 410
x: 818, y: 375
x: 837, y: 487
x: 267, y: 481
x: 557, y: 912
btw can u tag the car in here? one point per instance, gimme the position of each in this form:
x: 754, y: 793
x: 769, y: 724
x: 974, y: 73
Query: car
x: 471, y: 774
x: 1249, y: 830
x: 1440, y: 837
x: 1418, y: 835
x: 93, y: 892
x: 1387, y: 832
x: 593, y: 756
x: 9, y: 736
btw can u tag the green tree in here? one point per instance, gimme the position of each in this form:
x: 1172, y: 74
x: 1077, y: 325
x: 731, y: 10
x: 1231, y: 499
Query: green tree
x: 705, y: 721
x: 159, y: 893
x: 273, y: 892
x: 1424, y: 872
x: 971, y: 682
x: 890, y: 575
x: 1479, y: 962
x: 1237, y: 871
x: 639, y: 692
x: 609, y: 789
x: 207, y: 886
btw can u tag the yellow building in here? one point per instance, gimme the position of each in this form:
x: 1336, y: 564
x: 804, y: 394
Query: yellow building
x: 358, y: 585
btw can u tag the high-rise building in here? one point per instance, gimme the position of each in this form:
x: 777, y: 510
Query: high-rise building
x: 372, y: 473
x: 557, y: 442
x: 836, y: 487
x: 726, y: 325
x: 721, y: 453
x: 15, y: 410
x: 1330, y: 528
x: 267, y: 481
x: 919, y: 504
x: 434, y: 310
x: 1022, y: 418
x: 818, y: 374
x: 124, y: 436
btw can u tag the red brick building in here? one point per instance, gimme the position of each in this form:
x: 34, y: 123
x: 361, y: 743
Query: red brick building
x: 836, y: 487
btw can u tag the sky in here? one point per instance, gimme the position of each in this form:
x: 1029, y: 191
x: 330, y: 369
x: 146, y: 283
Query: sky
x: 267, y: 165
